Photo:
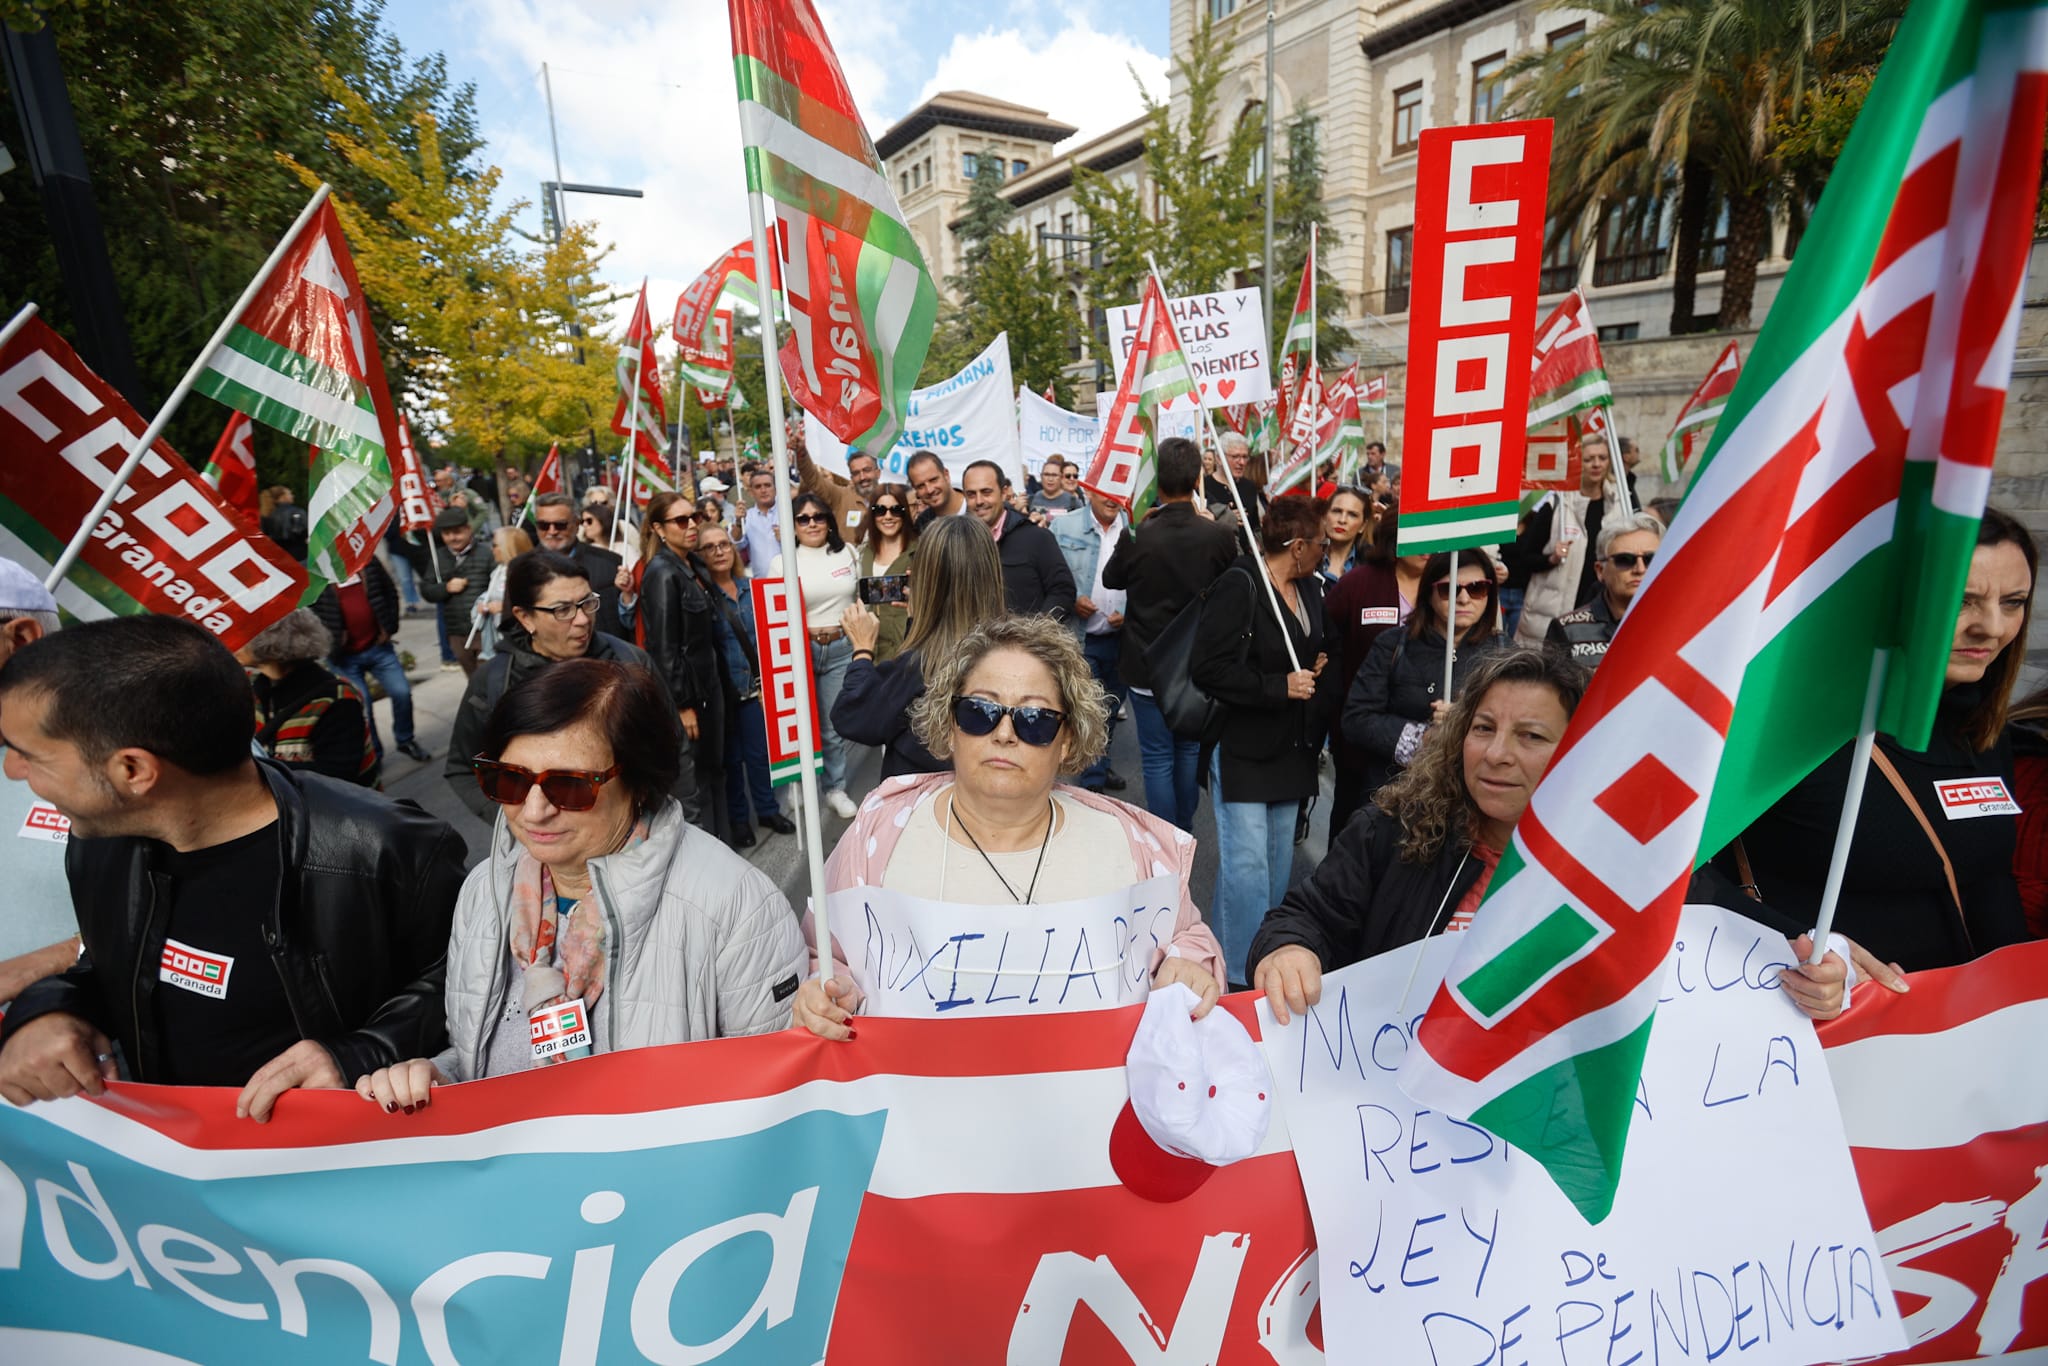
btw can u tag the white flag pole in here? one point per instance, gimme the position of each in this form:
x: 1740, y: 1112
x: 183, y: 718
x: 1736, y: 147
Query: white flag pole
x: 1450, y: 627
x: 1229, y: 479
x: 1315, y: 366
x: 16, y: 323
x: 1386, y: 402
x: 171, y: 404
x: 813, y: 826
x: 1852, y: 805
x: 1628, y: 504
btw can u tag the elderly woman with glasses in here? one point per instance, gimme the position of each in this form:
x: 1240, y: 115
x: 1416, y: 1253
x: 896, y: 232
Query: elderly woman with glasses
x: 601, y: 919
x: 1014, y: 708
x: 550, y: 617
x: 828, y: 569
x: 1398, y: 693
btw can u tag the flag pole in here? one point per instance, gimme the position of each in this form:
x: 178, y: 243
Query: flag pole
x: 1386, y: 402
x: 808, y: 772
x: 1613, y: 438
x: 16, y: 323
x: 171, y: 404
x: 1450, y: 627
x: 1852, y: 805
x: 1315, y: 365
x: 1230, y: 480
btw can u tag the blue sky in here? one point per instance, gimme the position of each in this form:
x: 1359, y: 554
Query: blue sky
x: 644, y: 97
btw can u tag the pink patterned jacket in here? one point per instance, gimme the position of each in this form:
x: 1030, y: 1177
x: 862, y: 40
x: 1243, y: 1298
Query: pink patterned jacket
x: 1157, y: 847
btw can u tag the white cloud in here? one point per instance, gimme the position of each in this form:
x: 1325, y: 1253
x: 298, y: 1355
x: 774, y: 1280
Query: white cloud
x: 1079, y: 74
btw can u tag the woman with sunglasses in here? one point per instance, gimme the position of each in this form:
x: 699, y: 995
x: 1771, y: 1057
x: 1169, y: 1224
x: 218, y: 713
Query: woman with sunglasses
x: 748, y: 783
x: 828, y: 570
x: 1274, y: 715
x: 600, y: 920
x: 1399, y: 691
x: 888, y: 547
x: 550, y: 617
x: 1011, y: 709
x: 680, y: 634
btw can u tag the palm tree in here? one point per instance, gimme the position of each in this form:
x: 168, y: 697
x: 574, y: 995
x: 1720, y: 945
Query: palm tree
x: 1692, y: 99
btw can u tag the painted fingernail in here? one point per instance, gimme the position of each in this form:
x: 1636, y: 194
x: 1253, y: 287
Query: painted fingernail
x: 851, y: 1035
x: 390, y: 1107
x: 408, y: 1109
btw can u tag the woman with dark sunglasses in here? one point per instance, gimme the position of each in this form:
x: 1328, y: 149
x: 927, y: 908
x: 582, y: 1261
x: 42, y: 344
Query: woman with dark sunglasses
x: 828, y: 570
x: 680, y: 634
x: 1014, y: 709
x: 601, y: 919
x: 889, y: 547
x: 1399, y: 691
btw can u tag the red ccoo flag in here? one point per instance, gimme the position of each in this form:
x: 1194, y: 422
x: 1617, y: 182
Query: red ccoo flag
x: 641, y: 412
x: 232, y: 467
x: 549, y: 480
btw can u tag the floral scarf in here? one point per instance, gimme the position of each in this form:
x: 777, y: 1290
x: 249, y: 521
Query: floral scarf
x: 557, y: 957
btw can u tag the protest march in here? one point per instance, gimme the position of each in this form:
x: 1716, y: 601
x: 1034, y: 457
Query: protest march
x: 584, y: 833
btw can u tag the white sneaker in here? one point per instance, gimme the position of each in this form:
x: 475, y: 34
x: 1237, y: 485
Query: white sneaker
x: 840, y: 804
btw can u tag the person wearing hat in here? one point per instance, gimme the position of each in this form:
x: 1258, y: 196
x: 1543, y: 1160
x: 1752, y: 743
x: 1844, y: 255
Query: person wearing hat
x: 465, y: 570
x: 39, y: 934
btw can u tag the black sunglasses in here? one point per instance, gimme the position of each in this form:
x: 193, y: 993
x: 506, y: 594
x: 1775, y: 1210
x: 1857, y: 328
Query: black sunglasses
x: 567, y: 789
x: 682, y: 519
x: 1035, y: 726
x: 1482, y: 589
x: 811, y: 519
x: 1628, y: 559
x: 887, y: 509
x: 553, y: 526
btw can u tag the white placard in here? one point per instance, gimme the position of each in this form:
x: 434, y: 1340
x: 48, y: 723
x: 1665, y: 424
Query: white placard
x: 1045, y: 429
x: 971, y: 416
x: 1738, y: 1235
x: 1181, y: 421
x: 1224, y: 338
x: 932, y: 959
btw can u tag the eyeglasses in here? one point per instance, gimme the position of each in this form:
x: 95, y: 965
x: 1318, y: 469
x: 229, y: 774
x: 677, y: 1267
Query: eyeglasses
x: 555, y: 526
x: 566, y: 611
x: 1627, y: 560
x: 887, y: 509
x: 567, y: 789
x: 684, y: 519
x: 812, y: 519
x: 1035, y: 726
x: 706, y: 518
x: 1319, y: 542
x: 1482, y: 589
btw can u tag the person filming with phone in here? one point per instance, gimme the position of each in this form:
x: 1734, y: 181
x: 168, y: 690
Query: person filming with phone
x: 888, y: 548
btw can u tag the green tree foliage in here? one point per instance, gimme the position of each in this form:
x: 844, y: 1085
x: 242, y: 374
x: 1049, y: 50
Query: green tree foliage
x: 1298, y: 205
x: 1005, y: 285
x: 1692, y: 102
x: 184, y: 111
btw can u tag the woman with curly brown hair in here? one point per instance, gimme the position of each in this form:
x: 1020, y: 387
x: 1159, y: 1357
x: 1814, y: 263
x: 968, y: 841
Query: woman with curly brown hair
x: 1417, y: 862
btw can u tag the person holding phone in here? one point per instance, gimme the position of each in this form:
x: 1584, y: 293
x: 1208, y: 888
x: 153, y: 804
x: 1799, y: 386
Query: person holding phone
x: 887, y: 548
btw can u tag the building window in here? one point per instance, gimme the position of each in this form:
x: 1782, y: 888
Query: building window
x: 1399, y: 263
x: 1221, y: 9
x: 970, y: 165
x: 1067, y: 244
x: 1254, y: 116
x: 1618, y: 331
x: 1407, y: 117
x: 1560, y: 263
x: 1487, y: 87
x: 1018, y: 168
x: 1635, y: 241
x: 1566, y: 36
x: 1714, y: 249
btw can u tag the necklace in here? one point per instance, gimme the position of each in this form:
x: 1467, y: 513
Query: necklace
x: 953, y: 810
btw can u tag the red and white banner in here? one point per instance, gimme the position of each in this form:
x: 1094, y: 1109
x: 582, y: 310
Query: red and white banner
x: 549, y: 480
x: 415, y: 496
x: 169, y: 543
x: 232, y: 468
x: 785, y: 652
x: 1479, y: 206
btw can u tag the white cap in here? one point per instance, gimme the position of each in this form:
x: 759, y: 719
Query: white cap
x: 1201, y: 1097
x: 712, y: 485
x: 21, y: 591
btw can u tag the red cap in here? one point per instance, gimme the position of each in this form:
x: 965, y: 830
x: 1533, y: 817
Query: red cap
x: 1148, y: 1170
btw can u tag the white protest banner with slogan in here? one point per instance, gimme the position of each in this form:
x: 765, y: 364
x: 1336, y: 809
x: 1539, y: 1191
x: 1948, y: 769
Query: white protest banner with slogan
x: 922, y: 959
x: 971, y: 416
x: 1738, y: 1231
x: 1044, y: 429
x: 1174, y: 419
x: 1222, y: 335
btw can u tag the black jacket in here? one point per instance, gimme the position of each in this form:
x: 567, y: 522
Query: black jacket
x: 1895, y: 899
x: 514, y: 663
x: 383, y: 595
x: 603, y: 568
x: 1035, y: 574
x: 1163, y: 566
x: 873, y: 708
x: 1400, y: 677
x: 473, y: 566
x: 286, y: 524
x: 679, y: 632
x: 1585, y: 632
x: 358, y: 928
x: 1269, y: 741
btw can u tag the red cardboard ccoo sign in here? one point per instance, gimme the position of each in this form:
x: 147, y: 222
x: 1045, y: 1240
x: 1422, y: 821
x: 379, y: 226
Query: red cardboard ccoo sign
x: 1479, y: 206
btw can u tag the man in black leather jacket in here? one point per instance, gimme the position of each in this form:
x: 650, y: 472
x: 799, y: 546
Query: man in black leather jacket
x: 243, y: 925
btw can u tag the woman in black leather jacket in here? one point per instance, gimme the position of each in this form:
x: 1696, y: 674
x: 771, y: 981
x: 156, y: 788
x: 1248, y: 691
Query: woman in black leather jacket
x: 679, y: 632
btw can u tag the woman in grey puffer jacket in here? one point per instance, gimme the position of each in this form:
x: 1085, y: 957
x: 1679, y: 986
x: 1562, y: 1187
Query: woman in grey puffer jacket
x: 601, y: 920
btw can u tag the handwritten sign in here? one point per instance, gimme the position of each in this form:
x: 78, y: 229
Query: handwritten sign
x: 1174, y: 420
x: 1045, y: 430
x: 1739, y: 1234
x: 929, y: 959
x: 1222, y: 335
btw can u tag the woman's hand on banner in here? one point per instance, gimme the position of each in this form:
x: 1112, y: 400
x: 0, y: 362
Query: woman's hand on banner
x: 1193, y: 976
x: 825, y: 1007
x: 1292, y: 979
x: 401, y: 1086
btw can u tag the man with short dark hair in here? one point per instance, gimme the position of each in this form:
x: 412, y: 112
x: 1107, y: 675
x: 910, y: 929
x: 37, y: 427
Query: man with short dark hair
x: 1375, y: 462
x: 758, y: 528
x: 1054, y: 496
x: 1626, y: 547
x: 932, y: 485
x: 554, y: 519
x: 244, y: 924
x: 1163, y: 565
x: 38, y: 932
x: 463, y: 571
x: 1035, y: 574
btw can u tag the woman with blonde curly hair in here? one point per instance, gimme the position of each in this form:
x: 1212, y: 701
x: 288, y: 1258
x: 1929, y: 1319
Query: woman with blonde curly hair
x: 1417, y: 862
x: 1013, y: 708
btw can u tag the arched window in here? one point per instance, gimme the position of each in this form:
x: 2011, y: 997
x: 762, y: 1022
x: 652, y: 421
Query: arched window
x: 1255, y: 115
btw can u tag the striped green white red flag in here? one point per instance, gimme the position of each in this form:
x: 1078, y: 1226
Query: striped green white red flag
x: 1833, y: 516
x: 1697, y: 418
x: 1126, y: 464
x: 1569, y: 372
x: 861, y: 301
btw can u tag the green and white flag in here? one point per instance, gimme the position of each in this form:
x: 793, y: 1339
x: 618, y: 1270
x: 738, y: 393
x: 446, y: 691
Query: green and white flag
x: 1570, y: 375
x: 1833, y: 518
x: 1126, y: 464
x: 303, y: 359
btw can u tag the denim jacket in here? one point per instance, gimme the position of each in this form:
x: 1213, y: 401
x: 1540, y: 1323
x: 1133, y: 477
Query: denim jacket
x: 1081, y: 544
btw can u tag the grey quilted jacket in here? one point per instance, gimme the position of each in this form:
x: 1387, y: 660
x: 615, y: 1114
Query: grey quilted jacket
x: 702, y: 945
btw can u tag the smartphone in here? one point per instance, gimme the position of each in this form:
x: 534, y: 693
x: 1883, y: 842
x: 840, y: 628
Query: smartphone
x: 883, y: 590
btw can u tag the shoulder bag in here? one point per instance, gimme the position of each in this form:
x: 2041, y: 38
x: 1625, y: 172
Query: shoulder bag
x: 1189, y: 712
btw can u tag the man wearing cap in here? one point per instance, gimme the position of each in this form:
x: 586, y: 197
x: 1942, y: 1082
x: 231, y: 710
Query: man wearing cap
x: 715, y: 489
x: 465, y: 571
x: 38, y: 933
x: 554, y: 520
x: 244, y: 924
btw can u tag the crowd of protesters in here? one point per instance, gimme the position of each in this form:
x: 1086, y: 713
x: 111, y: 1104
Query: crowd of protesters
x: 987, y: 638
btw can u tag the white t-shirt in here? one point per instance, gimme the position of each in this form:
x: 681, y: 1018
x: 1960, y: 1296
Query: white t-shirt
x: 1087, y: 855
x: 828, y: 577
